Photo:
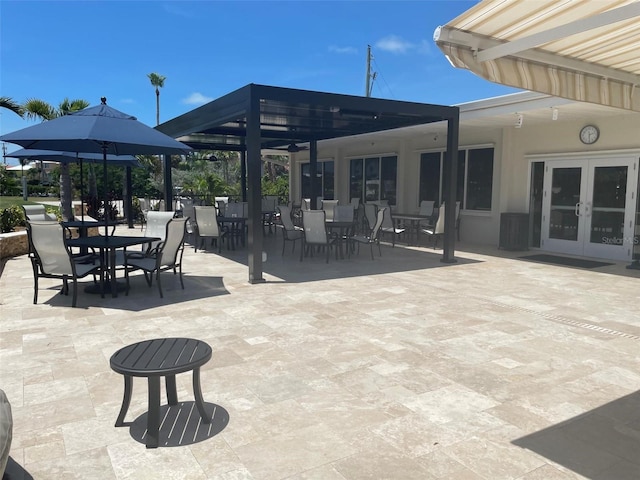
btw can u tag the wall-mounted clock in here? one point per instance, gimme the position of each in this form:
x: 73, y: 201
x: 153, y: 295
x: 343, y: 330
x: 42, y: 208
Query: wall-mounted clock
x: 589, y: 134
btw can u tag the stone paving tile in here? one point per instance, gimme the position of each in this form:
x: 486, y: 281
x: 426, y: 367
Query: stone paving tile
x: 402, y: 367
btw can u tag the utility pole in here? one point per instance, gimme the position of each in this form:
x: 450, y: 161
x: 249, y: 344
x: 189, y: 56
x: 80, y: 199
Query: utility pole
x: 371, y: 77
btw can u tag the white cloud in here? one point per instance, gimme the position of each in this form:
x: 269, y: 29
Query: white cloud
x: 343, y: 50
x: 394, y: 44
x: 196, y: 98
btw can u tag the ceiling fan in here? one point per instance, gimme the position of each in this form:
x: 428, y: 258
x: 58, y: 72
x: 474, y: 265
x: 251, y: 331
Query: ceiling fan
x: 293, y: 148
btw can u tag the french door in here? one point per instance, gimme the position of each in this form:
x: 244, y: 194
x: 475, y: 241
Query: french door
x: 588, y: 207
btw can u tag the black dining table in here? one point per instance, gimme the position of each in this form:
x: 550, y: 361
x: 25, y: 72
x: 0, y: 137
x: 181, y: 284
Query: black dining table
x: 108, y: 246
x: 415, y: 221
x: 341, y: 228
x: 236, y: 230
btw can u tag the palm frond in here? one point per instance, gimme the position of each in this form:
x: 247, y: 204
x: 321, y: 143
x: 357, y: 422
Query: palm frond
x: 39, y: 109
x: 9, y: 104
x: 157, y: 80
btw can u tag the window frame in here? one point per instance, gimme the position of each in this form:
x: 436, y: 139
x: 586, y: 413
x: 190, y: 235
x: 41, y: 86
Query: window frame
x: 462, y: 180
x: 321, y: 173
x: 383, y: 160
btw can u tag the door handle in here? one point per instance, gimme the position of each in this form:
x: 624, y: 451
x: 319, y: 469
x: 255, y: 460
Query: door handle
x: 587, y: 209
x: 577, y: 210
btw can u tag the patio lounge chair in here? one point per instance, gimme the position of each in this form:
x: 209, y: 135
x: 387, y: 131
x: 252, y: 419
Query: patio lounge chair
x: 52, y: 258
x: 38, y: 213
x: 315, y: 232
x: 437, y: 230
x: 206, y: 221
x: 328, y: 206
x: 290, y: 233
x: 167, y: 255
x: 389, y: 225
x: 370, y: 212
x: 373, y: 236
x: 156, y: 226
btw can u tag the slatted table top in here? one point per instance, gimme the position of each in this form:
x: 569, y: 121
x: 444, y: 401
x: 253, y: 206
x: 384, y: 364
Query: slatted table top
x: 160, y: 356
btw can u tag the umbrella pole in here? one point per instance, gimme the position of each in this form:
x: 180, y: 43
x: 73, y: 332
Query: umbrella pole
x: 81, y: 191
x: 105, y: 194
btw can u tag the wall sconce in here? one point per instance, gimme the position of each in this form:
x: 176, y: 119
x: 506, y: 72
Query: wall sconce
x: 519, y: 120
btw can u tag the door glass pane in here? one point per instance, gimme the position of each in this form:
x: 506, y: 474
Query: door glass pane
x: 535, y: 212
x: 565, y: 194
x: 372, y: 179
x: 608, y: 205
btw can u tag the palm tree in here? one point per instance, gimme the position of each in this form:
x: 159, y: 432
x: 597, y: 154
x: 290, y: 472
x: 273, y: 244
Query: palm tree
x: 9, y: 104
x: 157, y: 81
x: 39, y: 109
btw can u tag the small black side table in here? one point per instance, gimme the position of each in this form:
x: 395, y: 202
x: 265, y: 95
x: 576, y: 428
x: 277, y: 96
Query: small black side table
x: 161, y: 357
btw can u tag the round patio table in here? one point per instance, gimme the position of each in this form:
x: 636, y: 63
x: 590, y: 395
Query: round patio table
x: 161, y: 357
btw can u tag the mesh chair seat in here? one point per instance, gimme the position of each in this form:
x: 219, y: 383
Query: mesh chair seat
x: 52, y: 258
x: 167, y: 255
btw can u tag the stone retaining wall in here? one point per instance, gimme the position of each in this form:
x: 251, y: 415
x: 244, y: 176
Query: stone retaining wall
x: 13, y: 243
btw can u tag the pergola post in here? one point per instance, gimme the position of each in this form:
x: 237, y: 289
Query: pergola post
x: 254, y: 191
x: 450, y: 189
x: 243, y: 174
x: 313, y: 173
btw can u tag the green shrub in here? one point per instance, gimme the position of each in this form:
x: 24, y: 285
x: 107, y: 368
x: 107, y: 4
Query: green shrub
x: 10, y: 218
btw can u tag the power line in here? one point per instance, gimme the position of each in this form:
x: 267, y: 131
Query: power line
x: 383, y: 79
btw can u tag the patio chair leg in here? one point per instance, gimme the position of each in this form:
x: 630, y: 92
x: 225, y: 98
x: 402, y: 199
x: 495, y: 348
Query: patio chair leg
x: 35, y: 288
x: 371, y: 244
x: 75, y: 292
x: 180, y: 272
x: 159, y: 286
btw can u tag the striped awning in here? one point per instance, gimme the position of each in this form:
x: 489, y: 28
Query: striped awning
x: 585, y: 50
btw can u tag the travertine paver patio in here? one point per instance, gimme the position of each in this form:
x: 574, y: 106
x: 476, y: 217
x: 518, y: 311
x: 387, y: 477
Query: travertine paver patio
x: 398, y: 368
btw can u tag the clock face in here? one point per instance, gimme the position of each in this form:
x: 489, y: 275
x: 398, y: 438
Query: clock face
x: 589, y: 134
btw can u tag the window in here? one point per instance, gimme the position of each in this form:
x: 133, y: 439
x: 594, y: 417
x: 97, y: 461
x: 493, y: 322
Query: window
x: 374, y: 178
x: 479, y: 179
x: 325, y: 178
x: 474, y: 182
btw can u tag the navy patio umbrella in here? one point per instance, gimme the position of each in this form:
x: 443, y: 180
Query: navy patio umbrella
x: 99, y: 129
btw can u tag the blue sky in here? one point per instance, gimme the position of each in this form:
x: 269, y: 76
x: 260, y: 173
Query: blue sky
x: 51, y: 50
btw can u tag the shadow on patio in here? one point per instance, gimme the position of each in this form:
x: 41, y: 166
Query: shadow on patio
x: 600, y: 444
x: 142, y: 297
x: 288, y: 267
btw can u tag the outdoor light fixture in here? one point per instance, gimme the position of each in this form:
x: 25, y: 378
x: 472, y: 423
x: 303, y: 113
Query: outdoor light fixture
x: 519, y: 120
x: 212, y: 158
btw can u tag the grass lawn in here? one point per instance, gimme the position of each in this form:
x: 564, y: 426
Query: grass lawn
x: 9, y: 201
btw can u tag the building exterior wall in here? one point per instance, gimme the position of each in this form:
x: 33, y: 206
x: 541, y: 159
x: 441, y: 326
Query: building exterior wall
x: 512, y: 162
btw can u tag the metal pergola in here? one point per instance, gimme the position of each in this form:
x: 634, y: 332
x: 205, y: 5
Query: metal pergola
x: 257, y: 117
